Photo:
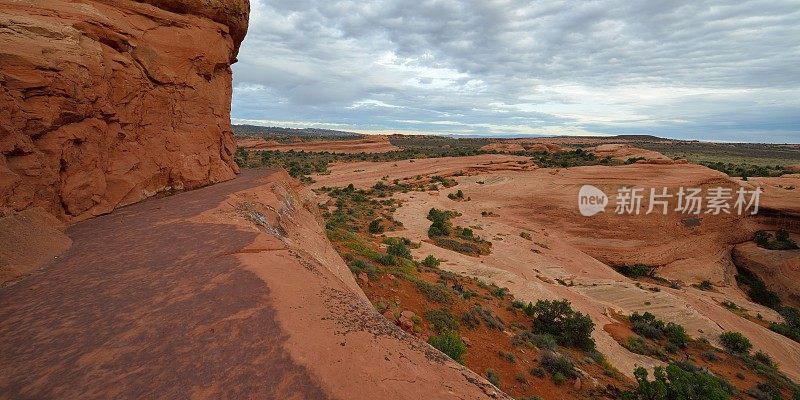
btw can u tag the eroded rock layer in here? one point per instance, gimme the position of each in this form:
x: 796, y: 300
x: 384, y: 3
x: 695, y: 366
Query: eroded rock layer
x: 105, y: 103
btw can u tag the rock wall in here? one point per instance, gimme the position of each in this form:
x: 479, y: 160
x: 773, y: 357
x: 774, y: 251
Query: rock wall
x: 104, y: 103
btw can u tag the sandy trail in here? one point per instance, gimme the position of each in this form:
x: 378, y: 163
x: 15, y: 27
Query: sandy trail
x: 230, y: 291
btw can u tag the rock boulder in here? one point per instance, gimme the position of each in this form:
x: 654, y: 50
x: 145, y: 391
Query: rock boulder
x: 105, y: 103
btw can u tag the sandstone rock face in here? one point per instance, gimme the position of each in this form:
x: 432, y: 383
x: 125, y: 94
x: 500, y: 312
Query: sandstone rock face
x: 105, y: 103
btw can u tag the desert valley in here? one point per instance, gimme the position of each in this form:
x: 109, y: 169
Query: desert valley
x: 150, y: 249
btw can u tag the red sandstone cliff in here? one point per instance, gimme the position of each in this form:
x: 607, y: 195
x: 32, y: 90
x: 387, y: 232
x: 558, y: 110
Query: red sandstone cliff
x: 104, y: 103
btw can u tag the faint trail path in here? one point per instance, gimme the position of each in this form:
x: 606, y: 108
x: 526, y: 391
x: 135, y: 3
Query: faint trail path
x: 147, y: 304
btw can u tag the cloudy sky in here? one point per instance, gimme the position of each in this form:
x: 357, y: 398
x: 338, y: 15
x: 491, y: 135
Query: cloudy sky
x: 726, y: 71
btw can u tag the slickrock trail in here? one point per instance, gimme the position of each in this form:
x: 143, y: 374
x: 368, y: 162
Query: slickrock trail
x: 230, y: 291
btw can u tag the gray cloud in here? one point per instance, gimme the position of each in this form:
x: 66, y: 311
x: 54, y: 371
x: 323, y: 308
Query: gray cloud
x: 676, y: 68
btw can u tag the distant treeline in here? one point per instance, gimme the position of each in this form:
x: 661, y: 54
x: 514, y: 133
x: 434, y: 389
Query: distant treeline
x: 250, y: 130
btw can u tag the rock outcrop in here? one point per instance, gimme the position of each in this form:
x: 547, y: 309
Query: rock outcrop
x: 105, y: 103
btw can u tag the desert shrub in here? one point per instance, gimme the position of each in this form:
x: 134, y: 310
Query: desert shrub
x: 430, y: 261
x: 710, y: 356
x: 507, y: 356
x: 499, y: 292
x: 637, y: 344
x: 440, y: 222
x: 525, y: 235
x: 790, y: 327
x: 451, y: 344
x: 538, y: 372
x: 559, y: 378
x: 470, y: 319
x: 647, y: 330
x: 763, y: 358
x: 435, y: 293
x: 493, y: 321
x: 674, y: 382
x: 545, y: 341
x: 375, y: 226
x: 492, y: 377
x: 705, y: 285
x: 556, y: 363
x: 521, y: 378
x: 386, y: 259
x: 647, y: 325
x: 781, y: 240
x: 676, y: 335
x: 441, y: 320
x: 398, y: 247
x: 241, y: 157
x: 359, y: 266
x: 636, y: 270
x: 757, y: 289
x: 735, y: 342
x: 765, y: 391
x: 569, y: 327
x: 458, y: 195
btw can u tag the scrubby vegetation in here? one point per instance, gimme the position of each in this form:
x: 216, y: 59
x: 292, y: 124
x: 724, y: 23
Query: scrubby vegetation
x: 780, y: 241
x: 558, y: 319
x: 679, y: 382
x: 745, y: 169
x: 647, y: 325
x: 462, y: 240
x: 636, y: 270
x: 574, y: 158
x: 451, y: 344
x: 735, y: 342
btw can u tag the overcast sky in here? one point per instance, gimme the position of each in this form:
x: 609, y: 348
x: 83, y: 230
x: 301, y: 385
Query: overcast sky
x: 727, y: 71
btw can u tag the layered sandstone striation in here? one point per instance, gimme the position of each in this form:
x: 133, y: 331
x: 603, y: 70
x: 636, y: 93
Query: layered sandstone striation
x: 105, y: 103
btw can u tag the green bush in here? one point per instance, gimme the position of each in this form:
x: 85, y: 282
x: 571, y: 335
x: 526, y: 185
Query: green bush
x: 705, y: 285
x: 559, y: 378
x: 790, y: 327
x: 441, y: 320
x: 451, y: 344
x: 492, y: 377
x: 470, y: 319
x: 569, y: 327
x: 636, y: 270
x: 676, y: 335
x: 757, y: 290
x: 649, y: 326
x: 538, y: 372
x: 375, y: 226
x: 674, y: 382
x: 556, y: 363
x: 435, y: 293
x: 545, y: 341
x: 781, y: 240
x: 398, y: 248
x: 430, y: 261
x: 735, y: 342
x: 507, y: 356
